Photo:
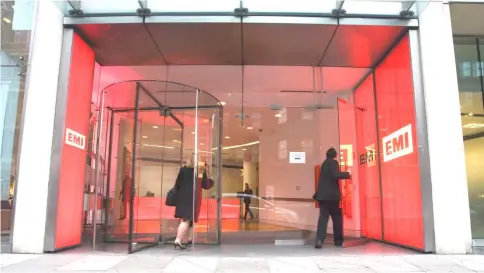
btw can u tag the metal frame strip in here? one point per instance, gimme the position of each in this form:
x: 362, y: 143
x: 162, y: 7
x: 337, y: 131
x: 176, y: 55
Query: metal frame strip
x: 423, y: 143
x: 108, y: 175
x: 133, y: 174
x: 286, y: 18
x: 378, y: 154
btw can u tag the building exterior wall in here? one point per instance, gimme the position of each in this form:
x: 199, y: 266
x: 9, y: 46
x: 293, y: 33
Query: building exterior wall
x: 450, y: 227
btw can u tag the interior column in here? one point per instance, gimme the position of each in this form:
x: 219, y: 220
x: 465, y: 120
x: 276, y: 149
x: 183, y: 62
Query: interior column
x: 449, y: 209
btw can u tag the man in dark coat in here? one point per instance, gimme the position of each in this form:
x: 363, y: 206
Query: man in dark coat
x: 328, y: 196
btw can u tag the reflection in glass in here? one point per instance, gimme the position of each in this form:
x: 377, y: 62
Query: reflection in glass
x: 15, y: 32
x: 469, y: 53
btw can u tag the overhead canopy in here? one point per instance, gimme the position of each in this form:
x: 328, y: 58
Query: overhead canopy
x: 326, y: 43
x: 355, y: 8
x: 231, y: 32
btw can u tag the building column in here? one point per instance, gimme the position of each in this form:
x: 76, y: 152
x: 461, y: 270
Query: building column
x: 437, y: 102
x: 31, y: 194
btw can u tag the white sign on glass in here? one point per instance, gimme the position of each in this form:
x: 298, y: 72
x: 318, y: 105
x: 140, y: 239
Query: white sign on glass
x: 297, y: 157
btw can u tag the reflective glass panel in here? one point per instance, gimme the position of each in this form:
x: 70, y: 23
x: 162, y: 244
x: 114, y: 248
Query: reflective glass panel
x: 16, y: 25
x: 469, y: 55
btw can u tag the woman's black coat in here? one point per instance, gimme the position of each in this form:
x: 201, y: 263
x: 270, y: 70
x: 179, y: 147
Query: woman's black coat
x: 184, y: 200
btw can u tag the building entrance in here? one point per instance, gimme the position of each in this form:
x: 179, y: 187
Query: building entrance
x: 261, y: 114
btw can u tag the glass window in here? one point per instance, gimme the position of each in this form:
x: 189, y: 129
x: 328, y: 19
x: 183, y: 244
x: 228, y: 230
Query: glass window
x: 470, y: 51
x: 15, y: 32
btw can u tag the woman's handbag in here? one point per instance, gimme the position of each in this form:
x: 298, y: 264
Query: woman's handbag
x: 207, y: 183
x: 171, y: 197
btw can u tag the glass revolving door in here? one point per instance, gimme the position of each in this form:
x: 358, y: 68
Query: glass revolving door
x: 154, y: 128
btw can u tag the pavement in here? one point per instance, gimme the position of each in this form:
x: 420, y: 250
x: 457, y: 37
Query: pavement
x: 372, y: 257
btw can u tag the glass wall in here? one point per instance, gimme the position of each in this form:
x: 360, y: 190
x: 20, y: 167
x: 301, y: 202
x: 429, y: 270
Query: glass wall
x: 470, y: 68
x: 389, y: 164
x: 16, y: 25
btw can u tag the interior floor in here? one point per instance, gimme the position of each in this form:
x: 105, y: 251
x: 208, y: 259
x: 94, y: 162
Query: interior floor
x: 169, y: 225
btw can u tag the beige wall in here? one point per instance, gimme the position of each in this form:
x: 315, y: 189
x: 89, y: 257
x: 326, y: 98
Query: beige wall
x: 232, y: 180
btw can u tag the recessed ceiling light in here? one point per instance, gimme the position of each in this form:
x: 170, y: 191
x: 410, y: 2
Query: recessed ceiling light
x: 223, y: 103
x: 175, y: 140
x: 201, y: 144
x: 227, y: 137
x: 278, y: 115
x: 250, y: 128
x: 6, y: 20
x: 155, y: 127
x: 145, y: 136
x: 244, y: 149
x: 193, y: 133
x: 473, y: 125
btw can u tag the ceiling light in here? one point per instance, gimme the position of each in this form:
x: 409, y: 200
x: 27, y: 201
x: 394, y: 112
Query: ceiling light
x: 244, y: 149
x: 145, y: 136
x: 473, y: 125
x: 155, y: 127
x: 238, y: 146
x: 227, y: 137
x: 250, y: 128
x: 223, y: 103
x: 158, y: 146
x: 175, y: 140
x: 193, y: 133
x: 470, y: 114
x: 278, y: 115
x: 177, y: 129
x: 6, y: 20
x: 201, y: 144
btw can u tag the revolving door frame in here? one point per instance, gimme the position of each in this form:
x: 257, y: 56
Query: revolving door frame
x: 103, y: 177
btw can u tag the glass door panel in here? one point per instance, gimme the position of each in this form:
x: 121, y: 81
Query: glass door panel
x: 112, y: 157
x: 291, y: 159
x: 207, y: 183
x: 352, y: 193
x: 146, y: 187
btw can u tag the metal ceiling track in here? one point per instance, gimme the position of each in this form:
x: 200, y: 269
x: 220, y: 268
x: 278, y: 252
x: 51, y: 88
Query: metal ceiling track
x: 242, y: 11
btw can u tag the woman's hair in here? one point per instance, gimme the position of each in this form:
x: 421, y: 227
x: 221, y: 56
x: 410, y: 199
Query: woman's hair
x: 331, y: 153
x: 190, y: 161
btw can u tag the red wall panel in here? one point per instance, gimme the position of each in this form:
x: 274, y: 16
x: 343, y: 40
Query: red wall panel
x: 367, y: 145
x: 400, y: 174
x: 71, y: 179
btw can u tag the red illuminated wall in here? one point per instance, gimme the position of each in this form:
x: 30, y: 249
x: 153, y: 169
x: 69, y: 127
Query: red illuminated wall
x: 398, y: 208
x: 400, y: 173
x: 367, y: 145
x: 73, y: 163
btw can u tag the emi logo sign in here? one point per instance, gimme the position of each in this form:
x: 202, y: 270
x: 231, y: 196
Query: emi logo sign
x: 75, y: 139
x: 398, y: 144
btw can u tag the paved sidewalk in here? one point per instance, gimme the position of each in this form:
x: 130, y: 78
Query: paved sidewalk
x: 245, y: 259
